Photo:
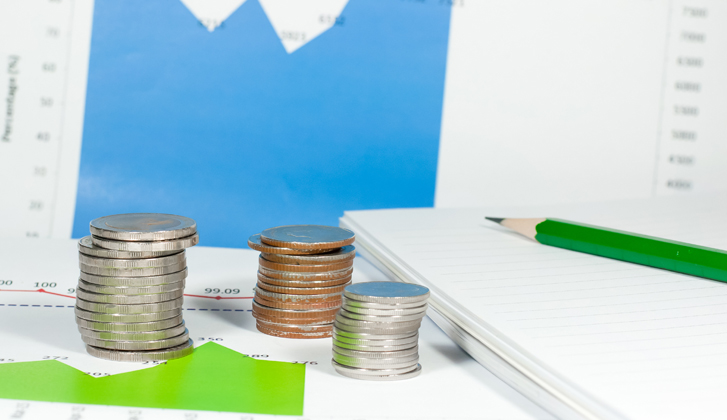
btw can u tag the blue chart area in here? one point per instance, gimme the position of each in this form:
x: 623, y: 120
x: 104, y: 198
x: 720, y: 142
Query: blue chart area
x: 228, y: 128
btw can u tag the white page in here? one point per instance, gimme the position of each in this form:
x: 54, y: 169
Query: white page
x: 646, y: 342
x: 570, y: 101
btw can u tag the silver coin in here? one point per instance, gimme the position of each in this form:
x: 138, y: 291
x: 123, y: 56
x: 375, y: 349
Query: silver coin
x: 387, y: 292
x: 373, y: 349
x: 170, y: 245
x: 138, y: 345
x: 142, y: 356
x: 419, y: 310
x: 143, y: 227
x: 394, y: 354
x: 377, y: 343
x: 376, y: 331
x: 373, y: 305
x: 112, y: 308
x: 134, y: 336
x: 392, y: 363
x: 118, y: 281
x: 365, y: 336
x: 129, y: 326
x: 287, y: 275
x: 378, y: 374
x: 86, y: 247
x: 116, y: 318
x: 340, y: 318
x: 133, y: 272
x: 128, y: 299
x: 179, y: 257
x: 382, y: 318
x: 307, y: 236
x: 130, y: 290
x: 348, y: 252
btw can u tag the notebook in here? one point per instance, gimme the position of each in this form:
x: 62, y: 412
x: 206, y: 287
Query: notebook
x: 581, y: 335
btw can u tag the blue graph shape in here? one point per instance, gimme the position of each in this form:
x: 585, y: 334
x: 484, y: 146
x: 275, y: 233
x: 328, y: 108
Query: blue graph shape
x: 229, y: 129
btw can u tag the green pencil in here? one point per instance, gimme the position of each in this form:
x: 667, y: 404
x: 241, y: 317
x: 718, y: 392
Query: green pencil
x: 625, y: 246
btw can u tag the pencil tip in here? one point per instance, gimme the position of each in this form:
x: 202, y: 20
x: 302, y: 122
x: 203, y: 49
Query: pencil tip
x: 495, y: 219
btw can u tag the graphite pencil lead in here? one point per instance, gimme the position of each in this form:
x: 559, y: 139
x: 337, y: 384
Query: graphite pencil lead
x: 495, y: 219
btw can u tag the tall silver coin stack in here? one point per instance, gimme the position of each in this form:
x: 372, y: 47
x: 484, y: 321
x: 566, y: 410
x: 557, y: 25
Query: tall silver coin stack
x: 302, y: 272
x: 376, y: 332
x: 131, y: 287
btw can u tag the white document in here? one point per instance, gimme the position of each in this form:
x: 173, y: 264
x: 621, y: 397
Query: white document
x: 44, y: 52
x: 614, y: 339
x: 572, y: 101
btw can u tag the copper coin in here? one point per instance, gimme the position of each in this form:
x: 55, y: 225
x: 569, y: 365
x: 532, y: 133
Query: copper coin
x: 287, y: 334
x: 307, y: 237
x: 302, y: 283
x: 286, y: 275
x: 296, y: 321
x: 294, y: 268
x: 301, y: 306
x: 282, y: 297
x: 301, y: 290
x: 296, y: 328
x: 346, y: 253
x: 255, y: 243
x: 292, y: 313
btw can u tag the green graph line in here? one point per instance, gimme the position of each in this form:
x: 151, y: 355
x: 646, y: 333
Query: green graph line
x: 213, y: 378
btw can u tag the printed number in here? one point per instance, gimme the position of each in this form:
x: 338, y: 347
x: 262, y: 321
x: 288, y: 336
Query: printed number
x: 295, y: 36
x: 6, y: 360
x: 32, y: 235
x: 97, y: 374
x: 6, y: 282
x: 40, y: 171
x: 49, y: 67
x: 36, y: 205
x: 333, y: 19
x: 307, y: 363
x: 52, y: 32
x: 155, y: 362
x: 679, y: 184
x: 55, y: 358
x: 225, y: 291
x: 257, y: 356
x: 71, y: 290
x: 209, y: 339
x: 43, y: 136
x: 51, y: 284
x: 46, y: 101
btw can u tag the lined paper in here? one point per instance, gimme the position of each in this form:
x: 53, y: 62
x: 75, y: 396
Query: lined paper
x: 648, y: 343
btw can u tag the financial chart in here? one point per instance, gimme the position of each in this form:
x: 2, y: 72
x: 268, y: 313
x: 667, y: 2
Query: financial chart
x: 287, y: 111
x: 235, y: 372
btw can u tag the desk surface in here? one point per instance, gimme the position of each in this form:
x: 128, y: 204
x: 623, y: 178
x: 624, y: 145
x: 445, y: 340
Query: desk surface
x: 452, y: 385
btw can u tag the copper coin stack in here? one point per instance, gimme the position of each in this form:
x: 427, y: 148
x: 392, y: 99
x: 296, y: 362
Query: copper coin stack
x: 302, y: 272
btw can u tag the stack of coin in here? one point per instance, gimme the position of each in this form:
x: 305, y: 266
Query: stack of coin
x: 376, y: 332
x: 131, y: 287
x: 302, y: 272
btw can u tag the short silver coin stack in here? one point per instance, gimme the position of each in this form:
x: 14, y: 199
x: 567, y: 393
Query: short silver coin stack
x: 131, y: 287
x: 376, y: 332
